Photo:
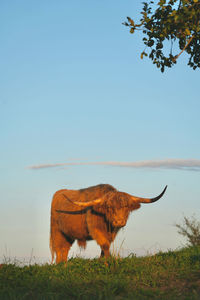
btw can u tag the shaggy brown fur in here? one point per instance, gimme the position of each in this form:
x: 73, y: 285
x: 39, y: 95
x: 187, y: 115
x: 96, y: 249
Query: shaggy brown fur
x: 101, y: 222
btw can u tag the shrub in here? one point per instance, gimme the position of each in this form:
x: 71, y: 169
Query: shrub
x: 190, y: 228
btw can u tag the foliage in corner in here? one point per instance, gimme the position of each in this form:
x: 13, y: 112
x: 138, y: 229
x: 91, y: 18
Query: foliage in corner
x: 174, y: 21
x: 191, y: 230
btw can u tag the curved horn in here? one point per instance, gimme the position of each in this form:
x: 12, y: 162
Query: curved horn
x: 85, y: 204
x: 149, y: 200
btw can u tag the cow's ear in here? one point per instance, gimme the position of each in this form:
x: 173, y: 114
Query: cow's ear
x: 135, y: 205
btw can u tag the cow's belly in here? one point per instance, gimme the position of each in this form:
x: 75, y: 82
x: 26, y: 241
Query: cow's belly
x: 74, y: 226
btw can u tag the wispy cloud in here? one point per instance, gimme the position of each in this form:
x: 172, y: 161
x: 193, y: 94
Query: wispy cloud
x: 182, y: 164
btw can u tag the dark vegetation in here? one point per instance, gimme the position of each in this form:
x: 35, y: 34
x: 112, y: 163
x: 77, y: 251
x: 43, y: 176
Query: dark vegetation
x: 171, y: 275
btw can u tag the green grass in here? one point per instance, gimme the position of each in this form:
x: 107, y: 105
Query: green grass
x: 171, y: 275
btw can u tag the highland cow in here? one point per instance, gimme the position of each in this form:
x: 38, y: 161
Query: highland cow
x: 95, y: 213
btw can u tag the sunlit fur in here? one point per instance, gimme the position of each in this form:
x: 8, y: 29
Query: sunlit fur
x: 102, y: 222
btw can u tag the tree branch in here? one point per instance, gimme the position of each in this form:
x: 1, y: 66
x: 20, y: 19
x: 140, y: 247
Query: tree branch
x: 189, y: 41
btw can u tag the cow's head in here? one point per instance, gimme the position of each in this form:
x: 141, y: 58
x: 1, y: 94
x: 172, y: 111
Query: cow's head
x: 116, y: 206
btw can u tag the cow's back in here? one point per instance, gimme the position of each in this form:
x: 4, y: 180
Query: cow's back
x: 86, y: 194
x: 94, y: 192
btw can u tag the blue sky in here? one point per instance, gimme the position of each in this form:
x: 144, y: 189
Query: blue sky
x: 75, y: 92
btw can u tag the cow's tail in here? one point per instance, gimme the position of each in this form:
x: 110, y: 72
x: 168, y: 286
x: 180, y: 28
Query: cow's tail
x: 52, y: 236
x: 51, y: 249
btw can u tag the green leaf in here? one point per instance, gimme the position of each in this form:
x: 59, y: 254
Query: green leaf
x: 187, y: 31
x: 131, y: 21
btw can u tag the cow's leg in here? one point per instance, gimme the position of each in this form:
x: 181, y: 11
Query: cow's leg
x: 62, y: 245
x: 105, y: 252
x: 102, y: 241
x: 98, y: 231
x: 62, y: 253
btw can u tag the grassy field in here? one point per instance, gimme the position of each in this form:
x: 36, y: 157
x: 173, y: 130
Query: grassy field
x: 171, y: 275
